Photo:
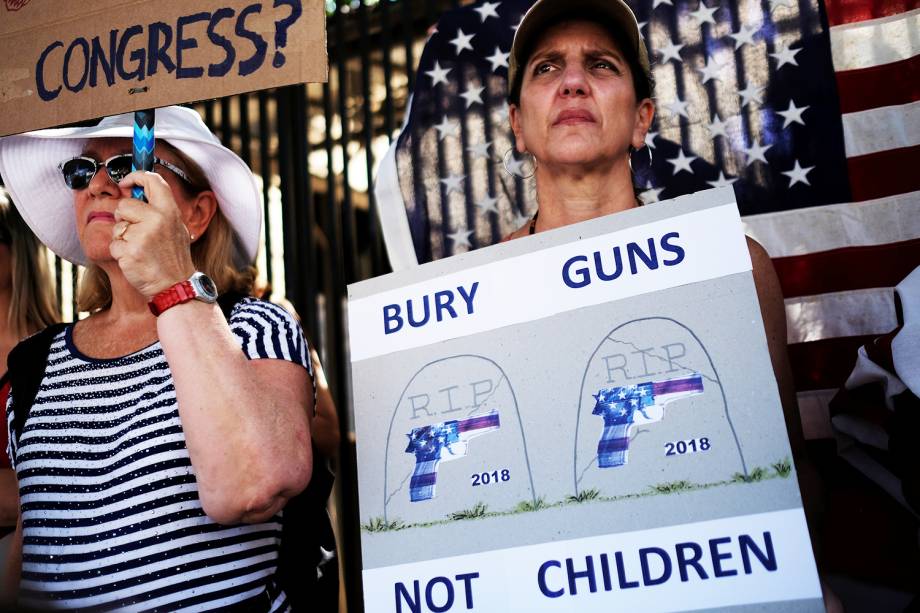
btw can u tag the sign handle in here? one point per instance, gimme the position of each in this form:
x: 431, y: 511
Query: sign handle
x: 143, y: 146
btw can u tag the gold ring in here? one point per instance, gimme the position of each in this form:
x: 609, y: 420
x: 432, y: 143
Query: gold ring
x: 121, y: 233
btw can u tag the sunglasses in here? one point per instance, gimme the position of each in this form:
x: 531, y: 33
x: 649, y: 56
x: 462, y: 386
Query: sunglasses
x: 79, y: 171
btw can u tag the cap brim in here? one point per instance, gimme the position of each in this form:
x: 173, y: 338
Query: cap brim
x: 546, y: 12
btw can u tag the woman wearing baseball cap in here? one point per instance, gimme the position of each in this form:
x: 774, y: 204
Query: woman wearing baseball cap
x: 580, y: 102
x: 164, y: 438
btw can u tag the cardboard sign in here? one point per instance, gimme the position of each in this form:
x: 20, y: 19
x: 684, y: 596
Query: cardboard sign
x: 582, y: 420
x: 69, y: 61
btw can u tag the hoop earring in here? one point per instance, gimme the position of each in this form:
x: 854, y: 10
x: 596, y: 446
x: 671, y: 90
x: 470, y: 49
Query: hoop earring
x: 633, y: 150
x: 515, y: 171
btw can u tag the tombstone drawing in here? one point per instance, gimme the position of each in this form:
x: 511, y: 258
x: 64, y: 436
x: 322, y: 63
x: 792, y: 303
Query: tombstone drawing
x: 651, y: 413
x: 455, y: 445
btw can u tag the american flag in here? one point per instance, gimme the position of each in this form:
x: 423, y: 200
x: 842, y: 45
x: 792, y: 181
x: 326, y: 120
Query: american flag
x: 809, y: 109
x: 618, y: 406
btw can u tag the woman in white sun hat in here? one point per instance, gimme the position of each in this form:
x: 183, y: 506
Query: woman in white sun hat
x: 164, y: 438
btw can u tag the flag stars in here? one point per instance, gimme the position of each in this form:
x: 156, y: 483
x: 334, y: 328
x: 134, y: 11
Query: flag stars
x: 498, y: 59
x: 744, y: 36
x: 486, y: 204
x: 438, y: 74
x: 514, y: 166
x: 447, y: 128
x: 704, y: 14
x: 473, y: 95
x: 488, y: 9
x: 670, y: 52
x: 792, y: 115
x: 751, y: 93
x: 462, y: 41
x: 755, y: 153
x: 650, y: 194
x: 710, y: 71
x: 722, y: 181
x: 678, y: 107
x: 682, y: 162
x: 480, y: 151
x: 798, y: 174
x: 453, y: 183
x: 659, y: 2
x: 785, y: 55
x: 461, y: 238
x: 650, y: 139
x: 717, y: 127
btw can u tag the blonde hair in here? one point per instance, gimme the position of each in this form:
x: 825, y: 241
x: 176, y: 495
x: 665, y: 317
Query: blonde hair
x: 33, y: 302
x: 216, y: 253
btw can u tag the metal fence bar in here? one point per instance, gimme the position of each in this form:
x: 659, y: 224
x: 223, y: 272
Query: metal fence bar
x: 408, y: 40
x: 387, y: 65
x: 226, y: 124
x: 266, y: 172
x: 209, y: 113
x: 245, y: 129
x: 378, y: 263
x: 286, y: 172
x: 304, y: 214
x: 347, y: 212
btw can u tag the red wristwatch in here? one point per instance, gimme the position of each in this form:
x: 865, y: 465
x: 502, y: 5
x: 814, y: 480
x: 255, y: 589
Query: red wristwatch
x: 197, y: 287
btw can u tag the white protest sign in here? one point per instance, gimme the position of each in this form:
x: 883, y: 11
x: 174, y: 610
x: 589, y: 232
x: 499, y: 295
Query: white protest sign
x: 585, y: 419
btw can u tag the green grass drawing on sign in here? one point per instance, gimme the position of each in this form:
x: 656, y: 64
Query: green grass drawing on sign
x: 782, y: 468
x: 527, y: 506
x: 757, y: 474
x: 584, y: 496
x: 674, y: 486
x: 378, y: 524
x: 479, y: 510
x: 777, y: 470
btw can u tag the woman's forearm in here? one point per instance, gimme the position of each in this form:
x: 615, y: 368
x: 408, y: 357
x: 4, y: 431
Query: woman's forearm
x: 245, y: 422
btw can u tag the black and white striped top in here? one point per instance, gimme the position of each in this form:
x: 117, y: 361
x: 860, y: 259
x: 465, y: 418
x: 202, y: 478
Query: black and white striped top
x: 110, y: 508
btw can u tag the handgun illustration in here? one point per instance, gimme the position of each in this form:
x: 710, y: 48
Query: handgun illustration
x: 619, y: 405
x: 444, y: 441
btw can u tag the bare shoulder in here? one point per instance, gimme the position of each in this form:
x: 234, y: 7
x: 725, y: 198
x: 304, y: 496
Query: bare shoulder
x: 759, y: 256
x: 768, y: 287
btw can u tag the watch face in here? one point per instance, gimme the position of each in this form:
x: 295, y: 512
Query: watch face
x: 205, y: 286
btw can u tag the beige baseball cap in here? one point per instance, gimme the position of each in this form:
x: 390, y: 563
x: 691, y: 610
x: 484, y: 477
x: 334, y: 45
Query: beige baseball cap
x: 545, y: 13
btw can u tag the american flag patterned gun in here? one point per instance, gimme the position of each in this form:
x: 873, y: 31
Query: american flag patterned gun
x: 444, y: 441
x: 619, y: 405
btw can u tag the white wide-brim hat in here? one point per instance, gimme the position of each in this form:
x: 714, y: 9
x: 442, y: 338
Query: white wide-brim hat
x: 29, y: 167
